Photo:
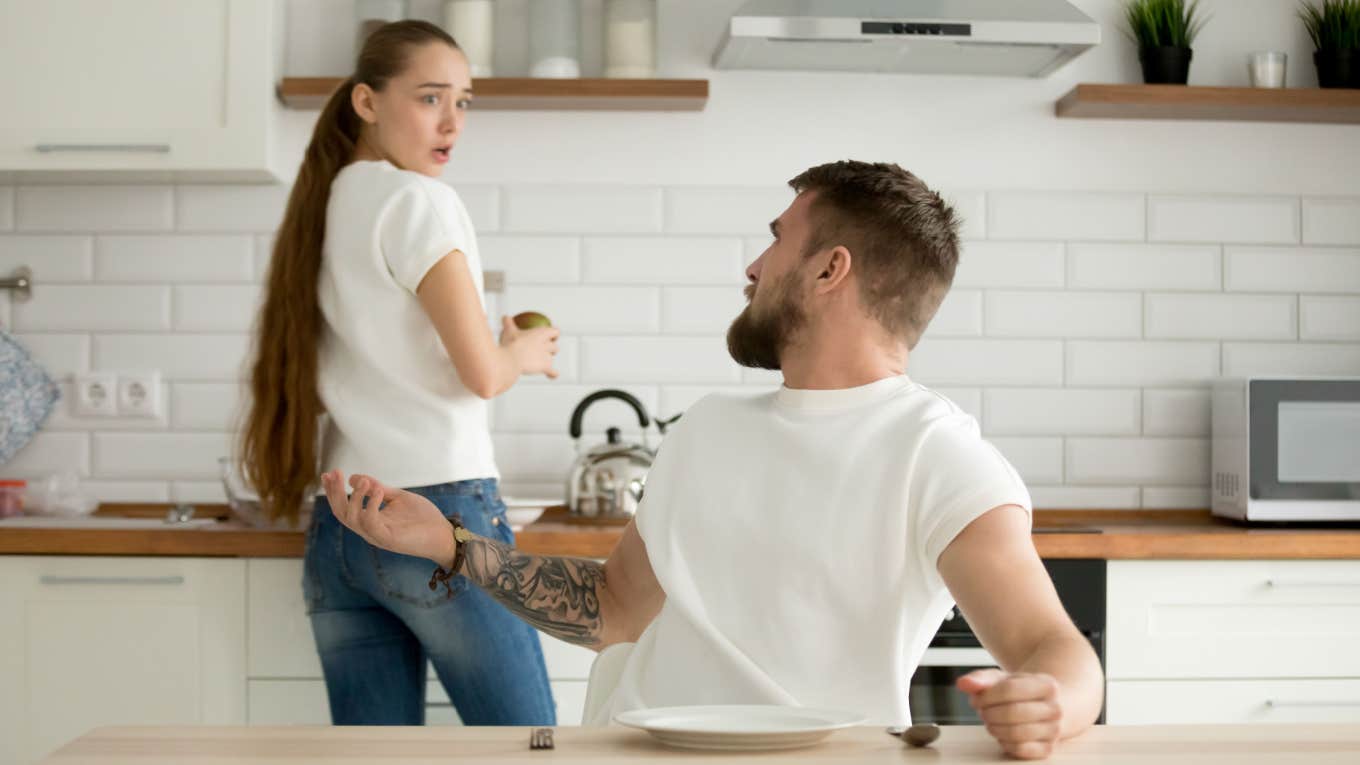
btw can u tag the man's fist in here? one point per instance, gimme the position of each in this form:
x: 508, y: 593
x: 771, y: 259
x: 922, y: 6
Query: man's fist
x: 1021, y: 711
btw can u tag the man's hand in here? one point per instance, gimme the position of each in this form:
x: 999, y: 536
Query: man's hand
x: 407, y: 523
x: 1022, y: 711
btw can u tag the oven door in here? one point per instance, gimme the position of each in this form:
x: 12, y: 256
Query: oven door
x: 933, y: 696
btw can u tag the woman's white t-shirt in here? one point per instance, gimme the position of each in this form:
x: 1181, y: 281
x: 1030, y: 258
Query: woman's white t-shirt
x: 398, y: 410
x: 796, y: 535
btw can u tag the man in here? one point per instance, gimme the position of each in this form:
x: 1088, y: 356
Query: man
x: 802, y: 546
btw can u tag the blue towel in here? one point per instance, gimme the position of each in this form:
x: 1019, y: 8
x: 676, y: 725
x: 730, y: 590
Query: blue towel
x: 27, y: 396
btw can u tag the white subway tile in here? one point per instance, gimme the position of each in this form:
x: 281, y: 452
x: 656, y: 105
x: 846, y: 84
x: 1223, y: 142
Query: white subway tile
x: 580, y: 310
x: 668, y: 260
x: 95, y: 208
x: 62, y: 355
x: 1010, y: 264
x: 1253, y: 269
x: 658, y: 360
x: 939, y: 362
x: 1329, y: 318
x: 95, y: 307
x: 176, y: 357
x: 1095, y: 216
x: 1217, y: 316
x: 700, y: 310
x: 1084, y: 497
x: 533, y: 259
x: 1061, y: 411
x: 967, y: 399
x: 1064, y: 314
x: 483, y: 205
x: 1037, y: 460
x: 1245, y: 219
x: 1140, y: 363
x: 191, y: 258
x: 48, y: 453
x: 581, y: 209
x: 1162, y: 461
x: 1331, y: 220
x: 714, y: 210
x: 1176, y: 412
x: 197, y: 491
x: 6, y: 208
x: 230, y: 208
x: 127, y: 491
x: 534, y: 457
x: 566, y: 363
x: 159, y: 455
x: 64, y: 418
x: 960, y: 315
x: 970, y: 207
x: 202, y: 308
x: 1246, y: 359
x: 677, y: 398
x: 205, y: 406
x: 264, y: 251
x: 548, y: 409
x: 1144, y: 266
x: 1176, y: 497
x: 51, y: 258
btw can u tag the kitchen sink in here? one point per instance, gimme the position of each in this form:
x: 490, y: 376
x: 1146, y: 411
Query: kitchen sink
x: 101, y: 522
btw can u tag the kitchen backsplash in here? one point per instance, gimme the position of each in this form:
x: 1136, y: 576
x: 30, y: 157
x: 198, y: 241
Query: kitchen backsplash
x: 1081, y: 330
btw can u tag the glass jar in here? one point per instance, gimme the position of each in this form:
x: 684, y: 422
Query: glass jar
x: 630, y: 38
x: 12, y: 497
x: 554, y: 38
x: 371, y: 14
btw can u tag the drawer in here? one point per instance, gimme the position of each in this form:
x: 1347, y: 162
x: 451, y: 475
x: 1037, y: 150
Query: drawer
x: 1190, y: 702
x: 303, y: 702
x: 1173, y: 620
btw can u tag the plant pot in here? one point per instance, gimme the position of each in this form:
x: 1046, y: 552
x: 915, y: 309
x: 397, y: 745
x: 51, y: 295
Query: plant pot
x: 1338, y: 68
x: 1165, y: 65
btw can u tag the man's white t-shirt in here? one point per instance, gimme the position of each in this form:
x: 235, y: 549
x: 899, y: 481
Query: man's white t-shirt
x: 397, y: 407
x: 796, y: 535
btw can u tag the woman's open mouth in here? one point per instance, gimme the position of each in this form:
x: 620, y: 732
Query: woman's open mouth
x: 441, y: 155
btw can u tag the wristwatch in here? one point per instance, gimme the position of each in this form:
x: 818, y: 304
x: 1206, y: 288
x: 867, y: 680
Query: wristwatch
x: 460, y: 537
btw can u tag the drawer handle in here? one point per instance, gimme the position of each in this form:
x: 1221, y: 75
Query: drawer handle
x: 136, y: 148
x: 1276, y: 583
x: 154, y: 580
x: 1273, y: 704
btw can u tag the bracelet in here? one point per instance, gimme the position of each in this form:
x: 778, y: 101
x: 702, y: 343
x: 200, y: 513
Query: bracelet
x: 444, y: 575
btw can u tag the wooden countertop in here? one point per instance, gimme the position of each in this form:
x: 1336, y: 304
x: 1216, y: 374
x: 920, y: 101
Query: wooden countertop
x: 1162, y: 744
x: 1125, y: 534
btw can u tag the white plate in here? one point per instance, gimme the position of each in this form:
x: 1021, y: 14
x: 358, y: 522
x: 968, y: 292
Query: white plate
x: 739, y: 727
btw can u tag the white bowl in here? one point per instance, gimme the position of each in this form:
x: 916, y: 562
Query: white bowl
x: 524, y: 511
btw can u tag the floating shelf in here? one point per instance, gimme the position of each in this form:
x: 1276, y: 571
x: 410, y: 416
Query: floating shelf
x: 521, y: 93
x: 1182, y: 102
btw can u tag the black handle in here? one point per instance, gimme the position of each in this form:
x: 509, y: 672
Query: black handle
x: 623, y: 396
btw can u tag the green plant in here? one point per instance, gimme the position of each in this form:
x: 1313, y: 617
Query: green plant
x: 1334, y: 26
x: 1165, y: 23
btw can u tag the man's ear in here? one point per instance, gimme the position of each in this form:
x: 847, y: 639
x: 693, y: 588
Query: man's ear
x: 361, y: 98
x: 835, y: 268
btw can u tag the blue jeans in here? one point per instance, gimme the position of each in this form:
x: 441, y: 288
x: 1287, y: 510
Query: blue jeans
x: 376, y: 621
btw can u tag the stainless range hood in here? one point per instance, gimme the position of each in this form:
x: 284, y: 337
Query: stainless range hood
x: 1016, y: 38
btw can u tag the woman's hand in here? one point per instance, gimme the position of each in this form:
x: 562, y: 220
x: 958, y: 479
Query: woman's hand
x: 406, y: 523
x: 532, y: 349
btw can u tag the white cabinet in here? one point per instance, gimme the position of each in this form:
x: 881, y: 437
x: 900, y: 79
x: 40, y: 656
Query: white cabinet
x: 93, y: 641
x: 1240, y: 641
x: 152, y: 89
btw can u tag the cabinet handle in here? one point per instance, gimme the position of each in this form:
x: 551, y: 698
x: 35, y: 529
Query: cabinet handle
x: 136, y: 148
x: 1276, y: 583
x: 1273, y: 704
x: 58, y: 580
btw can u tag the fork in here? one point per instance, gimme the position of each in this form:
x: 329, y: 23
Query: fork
x: 541, y: 738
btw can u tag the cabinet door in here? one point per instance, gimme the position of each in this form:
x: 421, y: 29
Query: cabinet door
x: 1211, y: 702
x: 146, y: 85
x: 117, y: 641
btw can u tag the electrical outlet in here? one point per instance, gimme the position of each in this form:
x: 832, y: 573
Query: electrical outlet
x: 96, y: 394
x: 139, y: 394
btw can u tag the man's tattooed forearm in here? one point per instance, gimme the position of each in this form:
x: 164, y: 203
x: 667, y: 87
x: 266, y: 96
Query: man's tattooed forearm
x: 560, y: 596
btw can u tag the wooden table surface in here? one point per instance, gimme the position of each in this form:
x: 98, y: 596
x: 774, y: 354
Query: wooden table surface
x: 1150, y: 745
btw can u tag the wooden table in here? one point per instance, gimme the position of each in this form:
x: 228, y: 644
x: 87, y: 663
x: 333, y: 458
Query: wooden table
x: 1157, y: 745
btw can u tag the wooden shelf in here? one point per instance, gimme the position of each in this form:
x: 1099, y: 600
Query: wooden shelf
x: 1182, y: 102
x: 519, y: 93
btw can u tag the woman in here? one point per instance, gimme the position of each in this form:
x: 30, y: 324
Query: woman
x: 374, y: 314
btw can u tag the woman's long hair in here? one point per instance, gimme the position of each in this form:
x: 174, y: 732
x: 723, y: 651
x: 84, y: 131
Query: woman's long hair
x: 278, y: 448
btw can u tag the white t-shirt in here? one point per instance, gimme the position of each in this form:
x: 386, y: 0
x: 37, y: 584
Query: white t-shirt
x: 796, y: 535
x: 397, y: 408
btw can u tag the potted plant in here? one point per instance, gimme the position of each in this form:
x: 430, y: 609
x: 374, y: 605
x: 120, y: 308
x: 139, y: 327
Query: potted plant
x: 1335, y: 29
x: 1164, y: 31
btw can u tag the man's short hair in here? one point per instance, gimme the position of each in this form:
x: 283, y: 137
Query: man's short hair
x: 902, y: 237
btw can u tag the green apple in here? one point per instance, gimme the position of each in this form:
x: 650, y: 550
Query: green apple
x: 531, y: 319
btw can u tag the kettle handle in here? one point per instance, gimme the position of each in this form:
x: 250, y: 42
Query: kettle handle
x: 624, y: 396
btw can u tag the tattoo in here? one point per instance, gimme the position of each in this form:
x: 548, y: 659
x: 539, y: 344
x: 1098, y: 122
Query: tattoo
x: 560, y: 596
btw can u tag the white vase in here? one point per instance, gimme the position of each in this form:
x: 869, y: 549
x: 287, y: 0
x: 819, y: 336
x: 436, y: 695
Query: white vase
x: 630, y: 38
x: 472, y: 24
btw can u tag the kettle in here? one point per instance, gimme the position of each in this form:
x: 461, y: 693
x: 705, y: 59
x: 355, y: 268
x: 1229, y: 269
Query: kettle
x: 606, y: 481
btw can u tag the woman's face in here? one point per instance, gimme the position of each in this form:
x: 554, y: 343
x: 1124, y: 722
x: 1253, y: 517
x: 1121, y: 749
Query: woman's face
x: 415, y: 121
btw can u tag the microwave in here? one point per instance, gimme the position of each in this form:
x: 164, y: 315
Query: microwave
x: 1286, y: 449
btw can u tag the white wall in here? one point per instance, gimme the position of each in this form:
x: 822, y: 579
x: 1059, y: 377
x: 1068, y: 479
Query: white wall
x: 1111, y: 267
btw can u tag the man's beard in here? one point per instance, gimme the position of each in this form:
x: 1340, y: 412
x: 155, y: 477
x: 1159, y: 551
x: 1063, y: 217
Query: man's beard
x: 757, y: 340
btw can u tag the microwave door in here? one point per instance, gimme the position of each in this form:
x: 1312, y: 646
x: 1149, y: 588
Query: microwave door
x: 1304, y: 449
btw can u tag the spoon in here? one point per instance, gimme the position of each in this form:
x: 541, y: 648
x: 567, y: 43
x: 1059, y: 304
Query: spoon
x: 921, y: 734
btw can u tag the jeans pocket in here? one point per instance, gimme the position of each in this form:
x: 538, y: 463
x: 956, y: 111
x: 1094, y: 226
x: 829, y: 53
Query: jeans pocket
x: 312, y: 560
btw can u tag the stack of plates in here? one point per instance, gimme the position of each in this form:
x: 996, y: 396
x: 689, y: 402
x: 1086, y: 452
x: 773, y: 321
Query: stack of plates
x: 742, y: 728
